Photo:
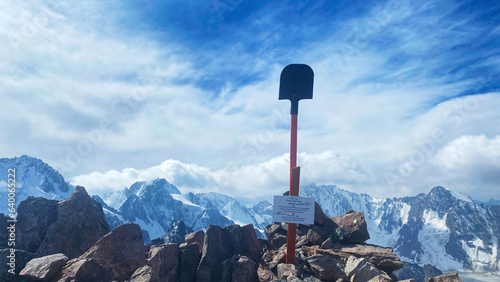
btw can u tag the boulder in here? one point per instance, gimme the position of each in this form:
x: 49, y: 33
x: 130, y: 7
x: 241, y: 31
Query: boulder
x: 164, y: 262
x: 21, y: 258
x: 276, y: 235
x: 322, y: 220
x: 274, y: 257
x: 79, y: 224
x: 44, y: 268
x: 239, y: 268
x: 34, y: 217
x: 189, y: 260
x: 4, y: 232
x: 142, y: 274
x: 285, y: 270
x: 195, y: 237
x: 383, y: 258
x: 451, y: 276
x: 326, y: 267
x: 122, y: 251
x: 215, y: 251
x: 84, y: 270
x: 354, y: 227
x: 265, y: 274
x: 360, y: 270
x: 430, y: 271
x: 243, y: 241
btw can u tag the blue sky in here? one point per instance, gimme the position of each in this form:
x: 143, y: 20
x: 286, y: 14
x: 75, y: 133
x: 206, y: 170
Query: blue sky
x: 405, y: 96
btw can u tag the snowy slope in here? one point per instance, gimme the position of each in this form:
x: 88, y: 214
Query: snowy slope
x: 444, y: 228
x: 33, y: 178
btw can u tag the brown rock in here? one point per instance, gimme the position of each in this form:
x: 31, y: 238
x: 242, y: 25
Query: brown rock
x: 243, y: 241
x: 196, y: 237
x: 317, y: 235
x: 326, y: 267
x: 215, y: 251
x: 383, y: 258
x: 164, y: 262
x: 354, y: 227
x: 34, y: 216
x: 360, y: 270
x: 274, y: 257
x: 322, y: 220
x: 285, y: 270
x: 239, y: 268
x: 79, y: 224
x: 276, y: 235
x: 45, y: 267
x: 265, y: 274
x: 142, y: 274
x: 451, y: 276
x: 122, y: 250
x: 84, y: 270
x: 189, y: 260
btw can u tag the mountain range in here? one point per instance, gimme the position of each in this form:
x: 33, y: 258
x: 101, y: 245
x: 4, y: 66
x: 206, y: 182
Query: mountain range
x: 443, y: 228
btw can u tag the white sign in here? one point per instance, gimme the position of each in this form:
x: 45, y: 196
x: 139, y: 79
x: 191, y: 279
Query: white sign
x: 292, y: 209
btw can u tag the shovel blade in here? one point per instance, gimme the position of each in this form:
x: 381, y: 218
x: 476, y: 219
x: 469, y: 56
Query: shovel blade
x: 296, y: 83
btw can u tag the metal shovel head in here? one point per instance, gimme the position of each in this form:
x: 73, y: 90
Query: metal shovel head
x: 296, y: 83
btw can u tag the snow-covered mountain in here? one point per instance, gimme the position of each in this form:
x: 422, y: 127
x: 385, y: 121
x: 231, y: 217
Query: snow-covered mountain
x: 154, y: 205
x: 33, y: 178
x: 443, y: 228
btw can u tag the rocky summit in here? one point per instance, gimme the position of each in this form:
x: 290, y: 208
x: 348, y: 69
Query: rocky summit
x: 332, y: 249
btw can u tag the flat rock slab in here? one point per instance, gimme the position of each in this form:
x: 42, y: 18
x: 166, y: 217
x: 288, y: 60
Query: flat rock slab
x: 44, y: 268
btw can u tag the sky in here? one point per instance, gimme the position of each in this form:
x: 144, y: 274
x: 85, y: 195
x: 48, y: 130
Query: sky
x: 112, y: 92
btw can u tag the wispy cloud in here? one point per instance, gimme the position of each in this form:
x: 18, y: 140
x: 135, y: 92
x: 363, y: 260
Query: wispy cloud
x: 106, y: 91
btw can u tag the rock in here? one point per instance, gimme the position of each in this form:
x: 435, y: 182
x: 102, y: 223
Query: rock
x: 189, y: 260
x: 326, y: 267
x: 243, y: 241
x: 413, y: 270
x: 122, y: 250
x: 360, y: 270
x: 215, y: 251
x: 196, y: 237
x: 239, y: 268
x: 451, y: 276
x: 164, y: 261
x: 408, y: 280
x: 311, y: 279
x: 286, y: 270
x: 83, y: 270
x: 34, y: 216
x: 176, y: 234
x: 79, y: 224
x: 293, y: 279
x: 265, y: 274
x: 44, y: 268
x: 4, y: 233
x: 317, y: 235
x: 276, y: 235
x: 322, y: 220
x: 21, y: 258
x: 354, y: 226
x: 383, y: 258
x: 327, y: 243
x: 274, y: 257
x: 142, y: 274
x: 430, y: 271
